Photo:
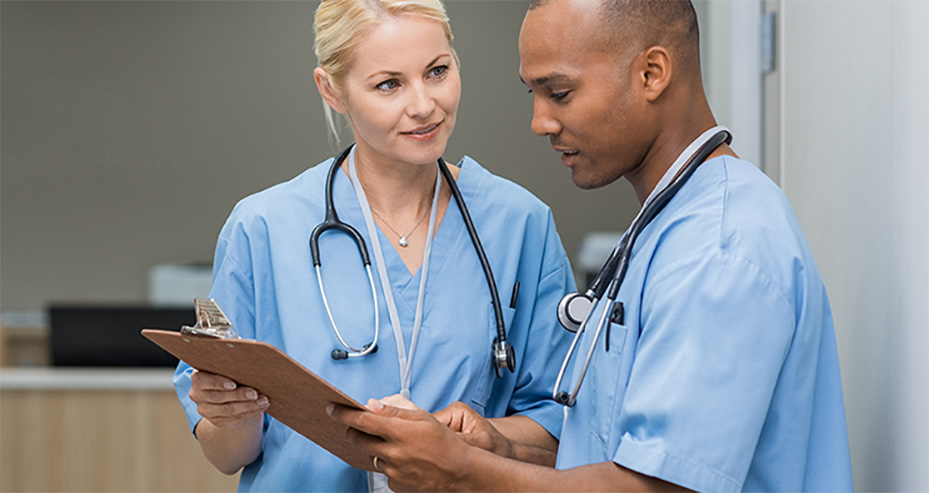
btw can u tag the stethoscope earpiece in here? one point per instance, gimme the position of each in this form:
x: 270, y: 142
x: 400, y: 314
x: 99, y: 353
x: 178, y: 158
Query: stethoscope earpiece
x: 564, y: 399
x: 340, y: 354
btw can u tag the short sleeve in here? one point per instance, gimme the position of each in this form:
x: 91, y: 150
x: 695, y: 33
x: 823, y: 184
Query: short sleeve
x: 714, y: 334
x: 232, y: 289
x: 547, y: 341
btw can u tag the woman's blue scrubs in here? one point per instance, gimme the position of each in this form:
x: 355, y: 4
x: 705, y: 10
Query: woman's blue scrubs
x: 264, y: 280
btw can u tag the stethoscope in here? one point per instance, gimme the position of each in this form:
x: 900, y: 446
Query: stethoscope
x: 504, y: 356
x: 575, y: 310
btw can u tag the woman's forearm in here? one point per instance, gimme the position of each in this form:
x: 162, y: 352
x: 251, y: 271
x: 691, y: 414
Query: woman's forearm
x: 530, y: 441
x: 230, y: 449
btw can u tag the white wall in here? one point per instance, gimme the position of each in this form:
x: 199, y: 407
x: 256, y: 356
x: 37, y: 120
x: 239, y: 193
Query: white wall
x: 854, y: 154
x: 730, y: 54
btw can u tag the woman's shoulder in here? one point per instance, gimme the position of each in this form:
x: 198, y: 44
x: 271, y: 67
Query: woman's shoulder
x: 493, y: 192
x: 298, y: 195
x: 308, y: 184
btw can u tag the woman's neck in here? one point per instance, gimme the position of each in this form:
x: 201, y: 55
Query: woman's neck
x: 396, y: 189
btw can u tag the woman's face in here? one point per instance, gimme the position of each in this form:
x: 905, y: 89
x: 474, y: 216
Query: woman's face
x: 402, y: 91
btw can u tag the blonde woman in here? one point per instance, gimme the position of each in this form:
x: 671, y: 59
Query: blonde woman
x: 423, y: 324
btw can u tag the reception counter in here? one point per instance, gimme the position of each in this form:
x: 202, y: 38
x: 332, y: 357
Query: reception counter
x: 98, y: 430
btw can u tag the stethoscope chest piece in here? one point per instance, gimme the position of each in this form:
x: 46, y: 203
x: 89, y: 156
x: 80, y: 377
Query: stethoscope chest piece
x: 504, y: 357
x: 573, y: 309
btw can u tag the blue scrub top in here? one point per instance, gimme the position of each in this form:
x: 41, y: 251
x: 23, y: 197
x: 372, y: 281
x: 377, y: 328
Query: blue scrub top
x: 264, y: 280
x: 725, y: 376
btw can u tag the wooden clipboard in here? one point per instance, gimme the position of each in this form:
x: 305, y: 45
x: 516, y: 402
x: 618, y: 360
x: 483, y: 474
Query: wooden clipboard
x: 298, y: 396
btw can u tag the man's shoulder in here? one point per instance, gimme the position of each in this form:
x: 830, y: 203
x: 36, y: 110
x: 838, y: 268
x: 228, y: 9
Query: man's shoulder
x: 733, y: 210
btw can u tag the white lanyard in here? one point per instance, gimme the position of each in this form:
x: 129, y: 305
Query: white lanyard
x: 679, y: 163
x: 673, y: 171
x: 406, y: 362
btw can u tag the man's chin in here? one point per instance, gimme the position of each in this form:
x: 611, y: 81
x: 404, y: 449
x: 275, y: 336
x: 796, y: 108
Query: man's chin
x: 586, y: 181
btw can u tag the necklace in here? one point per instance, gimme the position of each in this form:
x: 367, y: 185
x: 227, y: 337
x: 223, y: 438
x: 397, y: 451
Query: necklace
x: 403, y: 238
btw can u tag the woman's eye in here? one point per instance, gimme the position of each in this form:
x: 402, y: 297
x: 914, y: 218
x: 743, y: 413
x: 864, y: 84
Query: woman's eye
x: 438, y: 71
x: 388, y: 85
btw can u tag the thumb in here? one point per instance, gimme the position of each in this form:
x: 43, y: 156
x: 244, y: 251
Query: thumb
x: 449, y: 418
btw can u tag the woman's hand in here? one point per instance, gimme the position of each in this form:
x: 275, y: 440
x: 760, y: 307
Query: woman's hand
x: 223, y: 402
x: 474, y: 429
x: 395, y: 400
x: 231, y: 432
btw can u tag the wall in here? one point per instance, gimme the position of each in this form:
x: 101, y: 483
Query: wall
x: 98, y: 431
x: 130, y: 129
x: 854, y: 147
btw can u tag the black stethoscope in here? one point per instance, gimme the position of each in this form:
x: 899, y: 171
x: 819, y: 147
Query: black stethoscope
x: 575, y: 309
x: 504, y: 356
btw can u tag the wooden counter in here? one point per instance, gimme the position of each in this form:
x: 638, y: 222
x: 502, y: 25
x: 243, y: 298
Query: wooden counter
x: 98, y: 430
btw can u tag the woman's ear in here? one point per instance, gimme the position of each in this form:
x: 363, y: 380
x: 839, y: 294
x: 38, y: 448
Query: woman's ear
x: 655, y: 72
x: 329, y: 94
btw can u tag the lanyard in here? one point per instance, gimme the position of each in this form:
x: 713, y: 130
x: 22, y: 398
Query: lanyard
x: 679, y: 163
x: 406, y: 362
x: 669, y: 175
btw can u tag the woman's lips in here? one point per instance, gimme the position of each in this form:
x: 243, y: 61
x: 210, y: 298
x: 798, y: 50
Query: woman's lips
x: 425, y: 132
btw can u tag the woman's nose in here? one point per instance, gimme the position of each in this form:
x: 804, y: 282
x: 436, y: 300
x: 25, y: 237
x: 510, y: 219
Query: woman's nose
x: 422, y: 102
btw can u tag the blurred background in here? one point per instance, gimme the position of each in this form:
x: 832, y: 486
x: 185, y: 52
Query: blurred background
x: 128, y: 130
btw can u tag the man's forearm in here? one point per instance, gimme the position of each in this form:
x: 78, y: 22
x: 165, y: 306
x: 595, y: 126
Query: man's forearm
x: 533, y: 455
x: 489, y: 472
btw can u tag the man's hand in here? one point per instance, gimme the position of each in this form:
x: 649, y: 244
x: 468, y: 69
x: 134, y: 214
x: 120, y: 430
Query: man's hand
x: 414, y: 450
x: 474, y: 429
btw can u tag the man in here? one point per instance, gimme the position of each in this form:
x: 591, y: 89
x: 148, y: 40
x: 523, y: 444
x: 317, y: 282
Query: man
x: 723, y: 373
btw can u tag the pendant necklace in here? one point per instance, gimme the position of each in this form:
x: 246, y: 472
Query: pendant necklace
x: 403, y: 238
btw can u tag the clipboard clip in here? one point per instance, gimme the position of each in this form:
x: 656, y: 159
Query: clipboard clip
x: 211, y: 321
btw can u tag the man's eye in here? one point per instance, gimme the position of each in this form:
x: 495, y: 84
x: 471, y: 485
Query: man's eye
x: 558, y: 96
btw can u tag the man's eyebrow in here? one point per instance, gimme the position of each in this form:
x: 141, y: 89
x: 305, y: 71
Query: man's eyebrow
x: 553, y: 77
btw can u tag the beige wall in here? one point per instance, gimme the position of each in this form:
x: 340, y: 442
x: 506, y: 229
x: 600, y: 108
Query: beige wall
x: 130, y: 129
x: 100, y: 440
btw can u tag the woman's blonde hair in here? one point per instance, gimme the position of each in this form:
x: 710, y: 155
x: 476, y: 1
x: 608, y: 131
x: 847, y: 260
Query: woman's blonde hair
x: 341, y: 24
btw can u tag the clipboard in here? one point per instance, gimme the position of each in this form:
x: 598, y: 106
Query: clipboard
x: 298, y: 396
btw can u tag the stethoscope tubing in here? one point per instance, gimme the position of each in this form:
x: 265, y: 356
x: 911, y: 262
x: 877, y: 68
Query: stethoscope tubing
x: 479, y: 249
x: 332, y: 221
x: 352, y: 351
x: 618, y: 262
x: 661, y: 200
x: 332, y: 218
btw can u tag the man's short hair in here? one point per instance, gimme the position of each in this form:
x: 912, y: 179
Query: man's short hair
x: 640, y: 24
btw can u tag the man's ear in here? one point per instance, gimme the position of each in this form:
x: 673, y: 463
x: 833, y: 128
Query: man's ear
x: 329, y: 94
x: 654, y: 72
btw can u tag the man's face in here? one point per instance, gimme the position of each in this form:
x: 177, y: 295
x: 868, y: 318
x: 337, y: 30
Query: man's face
x: 584, y: 100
